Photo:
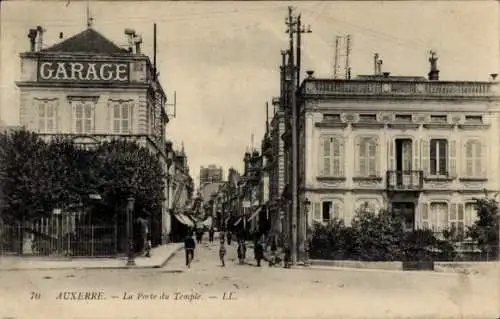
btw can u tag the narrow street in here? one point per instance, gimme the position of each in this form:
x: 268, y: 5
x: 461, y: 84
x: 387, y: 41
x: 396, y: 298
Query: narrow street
x: 250, y: 291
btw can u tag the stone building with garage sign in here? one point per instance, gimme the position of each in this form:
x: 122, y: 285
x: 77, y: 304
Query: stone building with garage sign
x: 90, y: 89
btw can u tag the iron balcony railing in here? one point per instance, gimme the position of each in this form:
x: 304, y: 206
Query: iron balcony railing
x: 405, y: 180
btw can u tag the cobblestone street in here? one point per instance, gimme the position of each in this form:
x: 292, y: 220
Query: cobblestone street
x: 251, y: 292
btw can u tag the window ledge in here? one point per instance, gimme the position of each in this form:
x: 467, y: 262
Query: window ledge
x: 367, y: 178
x: 368, y: 125
x: 330, y: 178
x: 406, y: 126
x: 473, y: 179
x: 438, y: 178
x: 331, y: 125
x: 438, y: 125
x: 473, y: 126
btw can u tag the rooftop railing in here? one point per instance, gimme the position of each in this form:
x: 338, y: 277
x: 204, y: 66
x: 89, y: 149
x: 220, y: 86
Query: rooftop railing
x: 399, y: 88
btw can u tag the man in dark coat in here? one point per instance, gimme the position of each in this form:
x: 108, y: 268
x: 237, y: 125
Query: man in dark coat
x: 258, y: 252
x: 189, y: 246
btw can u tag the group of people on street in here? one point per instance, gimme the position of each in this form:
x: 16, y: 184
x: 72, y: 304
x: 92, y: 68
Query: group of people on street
x: 273, y: 260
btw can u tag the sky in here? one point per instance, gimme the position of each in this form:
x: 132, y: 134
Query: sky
x: 222, y: 58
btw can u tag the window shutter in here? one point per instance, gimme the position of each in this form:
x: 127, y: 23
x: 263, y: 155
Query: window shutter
x: 340, y: 210
x: 377, y: 157
x: 131, y: 118
x: 469, y: 159
x: 341, y: 157
x: 452, y: 158
x: 335, y: 213
x: 461, y: 214
x: 416, y: 156
x: 435, y: 208
x: 424, y: 216
x: 445, y: 218
x: 484, y: 159
x: 424, y: 155
x: 390, y: 154
x: 321, y: 156
x: 317, y: 211
x: 357, y: 157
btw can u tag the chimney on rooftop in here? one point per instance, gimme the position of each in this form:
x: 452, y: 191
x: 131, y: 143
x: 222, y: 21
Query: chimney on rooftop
x: 375, y: 64
x: 434, y: 72
x: 130, y: 33
x: 138, y: 41
x: 32, y: 36
x: 39, y: 41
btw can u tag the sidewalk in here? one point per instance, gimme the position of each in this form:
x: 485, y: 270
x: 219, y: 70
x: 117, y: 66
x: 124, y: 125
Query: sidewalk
x: 159, y: 257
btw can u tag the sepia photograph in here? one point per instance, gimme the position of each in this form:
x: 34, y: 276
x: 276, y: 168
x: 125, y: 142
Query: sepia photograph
x: 249, y: 159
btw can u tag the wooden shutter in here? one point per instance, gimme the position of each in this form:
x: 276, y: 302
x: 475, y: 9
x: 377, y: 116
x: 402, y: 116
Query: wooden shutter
x: 452, y: 157
x: 424, y: 155
x: 320, y: 157
x: 424, y: 216
x: 377, y: 157
x: 469, y: 159
x: 317, y: 211
x: 335, y: 214
x: 484, y: 159
x: 449, y: 215
x: 390, y: 154
x: 461, y: 213
x: 357, y: 156
x: 341, y: 157
x: 341, y: 211
x: 416, y: 156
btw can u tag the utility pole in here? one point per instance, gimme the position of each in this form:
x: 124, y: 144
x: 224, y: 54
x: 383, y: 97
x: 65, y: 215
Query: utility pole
x: 301, y: 214
x: 291, y: 23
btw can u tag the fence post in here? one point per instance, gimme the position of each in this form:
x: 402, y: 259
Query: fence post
x: 92, y: 240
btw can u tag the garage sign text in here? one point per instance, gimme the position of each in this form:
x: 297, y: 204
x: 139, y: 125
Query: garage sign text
x: 83, y: 71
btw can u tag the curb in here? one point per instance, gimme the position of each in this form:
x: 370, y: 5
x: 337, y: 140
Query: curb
x: 167, y: 259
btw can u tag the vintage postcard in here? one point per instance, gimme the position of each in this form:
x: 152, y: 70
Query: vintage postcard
x: 205, y: 159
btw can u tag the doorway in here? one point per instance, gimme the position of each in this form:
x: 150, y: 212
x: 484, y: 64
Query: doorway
x: 407, y: 211
x: 403, y: 162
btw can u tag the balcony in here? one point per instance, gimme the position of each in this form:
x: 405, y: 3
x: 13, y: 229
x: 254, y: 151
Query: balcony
x: 405, y: 180
x: 389, y: 87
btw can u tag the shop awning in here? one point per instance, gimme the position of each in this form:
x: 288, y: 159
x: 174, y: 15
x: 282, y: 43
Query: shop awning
x: 255, y: 213
x: 184, y: 220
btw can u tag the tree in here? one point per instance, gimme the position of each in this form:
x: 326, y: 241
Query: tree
x: 378, y: 235
x: 26, y: 176
x: 485, y: 228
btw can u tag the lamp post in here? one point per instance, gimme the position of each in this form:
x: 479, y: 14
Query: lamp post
x: 307, y: 204
x: 130, y: 211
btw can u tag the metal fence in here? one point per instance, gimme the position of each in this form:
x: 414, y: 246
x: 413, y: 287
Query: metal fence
x: 57, y: 239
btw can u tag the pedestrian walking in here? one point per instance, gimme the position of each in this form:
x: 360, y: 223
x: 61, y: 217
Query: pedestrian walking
x: 258, y: 252
x: 211, y: 234
x: 189, y: 247
x: 222, y: 253
x: 148, y: 245
x: 241, y: 252
x: 287, y: 257
x: 229, y: 237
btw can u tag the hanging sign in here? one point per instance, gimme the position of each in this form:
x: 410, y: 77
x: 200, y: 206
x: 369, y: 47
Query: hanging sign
x: 82, y: 71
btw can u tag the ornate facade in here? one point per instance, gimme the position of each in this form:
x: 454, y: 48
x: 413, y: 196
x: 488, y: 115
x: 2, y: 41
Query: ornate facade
x: 421, y: 148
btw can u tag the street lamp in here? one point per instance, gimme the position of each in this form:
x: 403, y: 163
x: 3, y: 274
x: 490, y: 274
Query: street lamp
x: 307, y: 204
x: 130, y: 211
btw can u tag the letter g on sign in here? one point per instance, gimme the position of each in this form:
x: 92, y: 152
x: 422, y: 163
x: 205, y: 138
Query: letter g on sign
x: 45, y: 71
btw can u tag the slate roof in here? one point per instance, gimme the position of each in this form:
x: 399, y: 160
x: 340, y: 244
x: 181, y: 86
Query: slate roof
x: 87, y: 41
